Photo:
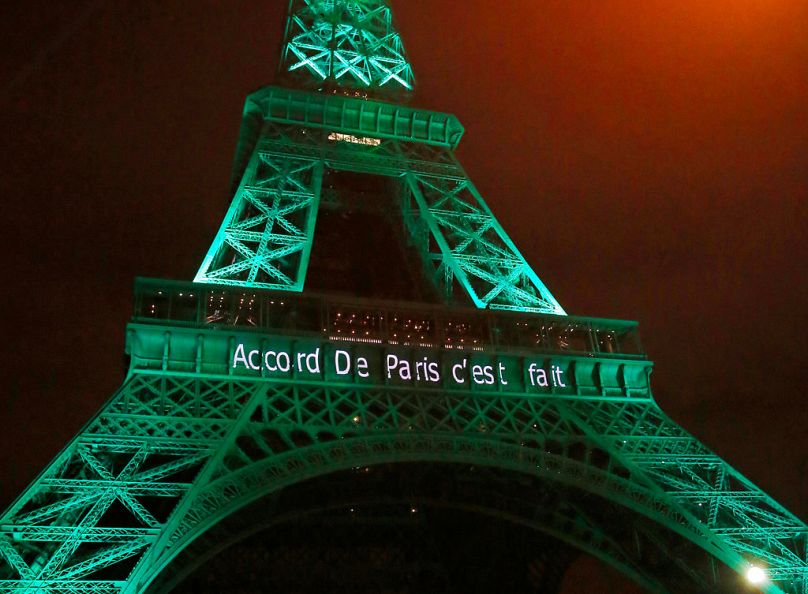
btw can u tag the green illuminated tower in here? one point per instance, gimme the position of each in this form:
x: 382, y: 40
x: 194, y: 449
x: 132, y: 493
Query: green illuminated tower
x: 362, y: 318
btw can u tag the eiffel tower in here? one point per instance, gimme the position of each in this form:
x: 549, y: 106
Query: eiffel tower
x: 363, y: 334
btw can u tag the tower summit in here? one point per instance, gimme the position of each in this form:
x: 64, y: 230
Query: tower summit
x: 363, y: 329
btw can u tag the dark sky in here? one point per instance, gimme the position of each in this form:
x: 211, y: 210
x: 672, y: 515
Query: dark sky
x: 650, y: 159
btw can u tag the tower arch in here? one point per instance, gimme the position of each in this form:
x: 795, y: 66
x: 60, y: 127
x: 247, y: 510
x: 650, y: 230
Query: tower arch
x: 269, y: 454
x: 641, y: 550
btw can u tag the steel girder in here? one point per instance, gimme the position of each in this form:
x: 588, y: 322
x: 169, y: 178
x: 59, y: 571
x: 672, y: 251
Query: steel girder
x: 174, y: 454
x: 466, y: 243
x: 463, y: 246
x: 344, y: 43
x: 266, y: 236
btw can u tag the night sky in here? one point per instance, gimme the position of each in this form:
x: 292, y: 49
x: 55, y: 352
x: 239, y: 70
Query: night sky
x: 650, y: 160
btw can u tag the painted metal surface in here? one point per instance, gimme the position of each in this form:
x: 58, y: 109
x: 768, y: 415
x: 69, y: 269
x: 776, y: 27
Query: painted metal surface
x: 190, y: 439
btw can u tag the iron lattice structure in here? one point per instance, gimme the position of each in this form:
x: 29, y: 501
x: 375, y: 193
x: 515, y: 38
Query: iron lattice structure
x: 289, y: 137
x: 346, y: 44
x: 211, y: 423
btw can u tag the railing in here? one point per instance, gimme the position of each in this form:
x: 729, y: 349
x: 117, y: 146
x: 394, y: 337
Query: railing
x: 377, y: 322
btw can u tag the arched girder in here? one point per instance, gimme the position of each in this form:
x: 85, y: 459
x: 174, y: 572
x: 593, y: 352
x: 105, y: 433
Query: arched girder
x: 234, y: 491
x: 182, y: 430
x: 239, y: 437
x: 546, y: 511
x: 248, y: 436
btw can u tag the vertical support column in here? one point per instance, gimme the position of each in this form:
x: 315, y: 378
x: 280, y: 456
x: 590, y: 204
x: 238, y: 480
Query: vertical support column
x: 265, y: 239
x: 448, y: 267
x: 474, y: 248
x: 311, y: 223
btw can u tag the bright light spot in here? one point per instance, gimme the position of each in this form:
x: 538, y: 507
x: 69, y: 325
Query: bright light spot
x: 755, y: 575
x: 367, y: 141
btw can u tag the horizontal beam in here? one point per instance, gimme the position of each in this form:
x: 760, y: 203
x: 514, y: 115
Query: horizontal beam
x: 355, y: 116
x: 137, y: 488
x: 62, y: 533
x: 62, y: 586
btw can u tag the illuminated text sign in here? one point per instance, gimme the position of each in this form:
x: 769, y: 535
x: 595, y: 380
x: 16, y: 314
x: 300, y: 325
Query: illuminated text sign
x: 402, y: 366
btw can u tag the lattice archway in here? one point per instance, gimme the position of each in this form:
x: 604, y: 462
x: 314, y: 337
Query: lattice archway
x: 411, y: 488
x: 639, y: 544
x: 172, y: 455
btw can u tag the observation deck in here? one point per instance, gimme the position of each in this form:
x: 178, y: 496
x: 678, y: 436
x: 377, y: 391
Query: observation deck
x: 349, y: 319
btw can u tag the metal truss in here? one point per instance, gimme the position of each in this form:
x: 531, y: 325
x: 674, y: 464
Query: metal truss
x: 349, y: 44
x: 466, y: 243
x: 463, y: 246
x: 266, y: 237
x: 173, y: 454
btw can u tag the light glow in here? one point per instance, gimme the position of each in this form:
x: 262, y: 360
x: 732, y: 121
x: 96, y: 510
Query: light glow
x: 365, y: 140
x: 755, y: 575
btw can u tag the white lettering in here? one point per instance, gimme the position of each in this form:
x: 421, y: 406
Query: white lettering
x: 239, y: 356
x: 405, y: 372
x: 266, y: 360
x: 284, y: 362
x: 362, y: 367
x: 455, y: 368
x: 482, y: 374
x: 557, y: 381
x: 501, y: 376
x: 421, y: 368
x: 313, y: 361
x: 434, y: 374
x: 354, y: 139
x: 390, y: 363
x: 346, y: 358
x: 537, y: 375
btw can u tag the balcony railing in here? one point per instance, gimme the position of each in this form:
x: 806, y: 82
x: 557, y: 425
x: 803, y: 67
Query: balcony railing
x: 380, y: 322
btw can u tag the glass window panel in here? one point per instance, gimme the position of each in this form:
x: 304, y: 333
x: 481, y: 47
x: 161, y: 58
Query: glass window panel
x: 184, y: 305
x: 465, y: 332
x: 360, y: 324
x: 407, y: 327
x: 219, y: 308
x: 607, y: 341
x: 155, y: 304
x: 629, y: 342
